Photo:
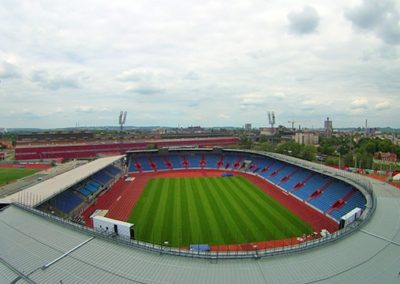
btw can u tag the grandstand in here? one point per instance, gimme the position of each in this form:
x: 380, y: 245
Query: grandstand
x: 92, y: 149
x: 324, y: 193
x: 67, y: 193
x: 37, y: 248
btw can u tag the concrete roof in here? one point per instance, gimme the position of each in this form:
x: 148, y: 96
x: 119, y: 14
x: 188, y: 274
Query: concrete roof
x: 370, y: 255
x: 43, y: 191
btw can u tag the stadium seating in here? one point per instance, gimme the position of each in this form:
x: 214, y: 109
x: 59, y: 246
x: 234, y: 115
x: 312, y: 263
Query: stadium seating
x: 333, y: 197
x: 212, y: 160
x: 194, y: 160
x: 313, y: 184
x: 102, y: 177
x: 84, y: 191
x: 113, y: 170
x: 66, y: 201
x: 176, y: 161
x: 356, y: 200
x: 144, y: 163
x: 160, y: 163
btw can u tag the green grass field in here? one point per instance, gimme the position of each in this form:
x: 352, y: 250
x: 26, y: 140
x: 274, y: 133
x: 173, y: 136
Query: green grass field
x: 211, y: 210
x: 8, y: 175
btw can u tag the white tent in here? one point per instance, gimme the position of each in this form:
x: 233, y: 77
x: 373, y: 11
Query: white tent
x: 397, y: 177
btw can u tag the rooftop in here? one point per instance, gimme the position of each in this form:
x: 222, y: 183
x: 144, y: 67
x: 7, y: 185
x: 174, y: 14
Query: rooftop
x: 27, y: 242
x: 43, y: 191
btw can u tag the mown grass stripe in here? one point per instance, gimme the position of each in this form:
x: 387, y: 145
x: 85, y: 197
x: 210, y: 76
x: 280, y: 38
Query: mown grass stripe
x: 148, y: 202
x: 217, y: 218
x: 282, y: 217
x: 209, y: 228
x: 186, y: 214
x: 232, y: 232
x: 251, y: 223
x: 211, y: 210
x: 197, y: 234
x: 260, y: 208
x: 277, y: 219
x: 291, y: 219
x: 157, y: 230
x: 260, y: 215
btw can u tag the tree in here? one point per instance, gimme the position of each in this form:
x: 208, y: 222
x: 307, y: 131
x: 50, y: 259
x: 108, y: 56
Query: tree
x: 348, y: 159
x: 265, y: 146
x: 245, y: 142
x: 309, y: 152
x: 263, y: 139
x: 290, y: 148
x: 332, y: 160
x: 326, y: 149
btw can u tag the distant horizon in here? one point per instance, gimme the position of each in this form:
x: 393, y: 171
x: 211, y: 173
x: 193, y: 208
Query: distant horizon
x: 184, y: 127
x: 201, y: 63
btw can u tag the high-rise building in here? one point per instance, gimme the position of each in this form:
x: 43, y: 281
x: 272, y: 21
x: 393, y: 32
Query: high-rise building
x: 328, y: 127
x: 247, y: 126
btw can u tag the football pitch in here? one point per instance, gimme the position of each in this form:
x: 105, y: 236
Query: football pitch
x: 211, y: 210
x: 10, y: 174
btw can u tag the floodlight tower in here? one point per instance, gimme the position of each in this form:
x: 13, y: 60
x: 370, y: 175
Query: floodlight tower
x: 271, y: 119
x: 122, y: 120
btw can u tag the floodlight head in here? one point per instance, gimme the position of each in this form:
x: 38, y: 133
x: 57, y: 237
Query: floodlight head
x: 120, y: 117
x: 124, y: 117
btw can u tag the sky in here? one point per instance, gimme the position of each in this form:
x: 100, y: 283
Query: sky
x: 207, y: 63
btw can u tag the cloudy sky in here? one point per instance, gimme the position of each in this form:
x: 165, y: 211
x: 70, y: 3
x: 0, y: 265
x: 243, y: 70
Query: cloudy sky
x: 208, y: 63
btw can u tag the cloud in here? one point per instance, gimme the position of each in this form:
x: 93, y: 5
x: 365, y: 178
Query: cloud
x: 54, y: 82
x: 381, y: 17
x: 196, y: 58
x: 387, y: 52
x: 224, y: 116
x: 382, y: 106
x: 145, y: 90
x: 136, y: 75
x: 85, y: 109
x: 279, y: 95
x: 191, y: 76
x: 304, y: 22
x: 8, y: 70
x: 252, y: 99
x: 358, y: 105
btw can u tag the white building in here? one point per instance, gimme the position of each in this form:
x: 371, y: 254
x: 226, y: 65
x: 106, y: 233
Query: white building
x: 306, y: 138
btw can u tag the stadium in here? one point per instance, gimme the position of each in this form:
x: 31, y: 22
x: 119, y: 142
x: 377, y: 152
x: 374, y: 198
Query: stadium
x: 212, y: 215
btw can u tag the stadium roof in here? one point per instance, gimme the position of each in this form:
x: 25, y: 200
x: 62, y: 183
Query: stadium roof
x: 27, y: 242
x: 43, y: 191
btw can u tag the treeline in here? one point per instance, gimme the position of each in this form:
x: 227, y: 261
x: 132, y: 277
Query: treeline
x: 344, y: 151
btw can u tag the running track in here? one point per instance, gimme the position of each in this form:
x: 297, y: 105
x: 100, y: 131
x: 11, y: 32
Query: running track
x: 121, y: 198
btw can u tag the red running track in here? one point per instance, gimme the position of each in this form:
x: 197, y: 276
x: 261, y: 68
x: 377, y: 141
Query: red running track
x: 27, y: 166
x: 122, y: 196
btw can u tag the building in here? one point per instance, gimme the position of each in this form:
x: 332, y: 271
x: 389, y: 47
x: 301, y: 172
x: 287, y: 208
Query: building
x: 6, y: 143
x: 247, y: 126
x: 266, y: 131
x: 306, y: 138
x: 328, y: 127
x: 386, y: 157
